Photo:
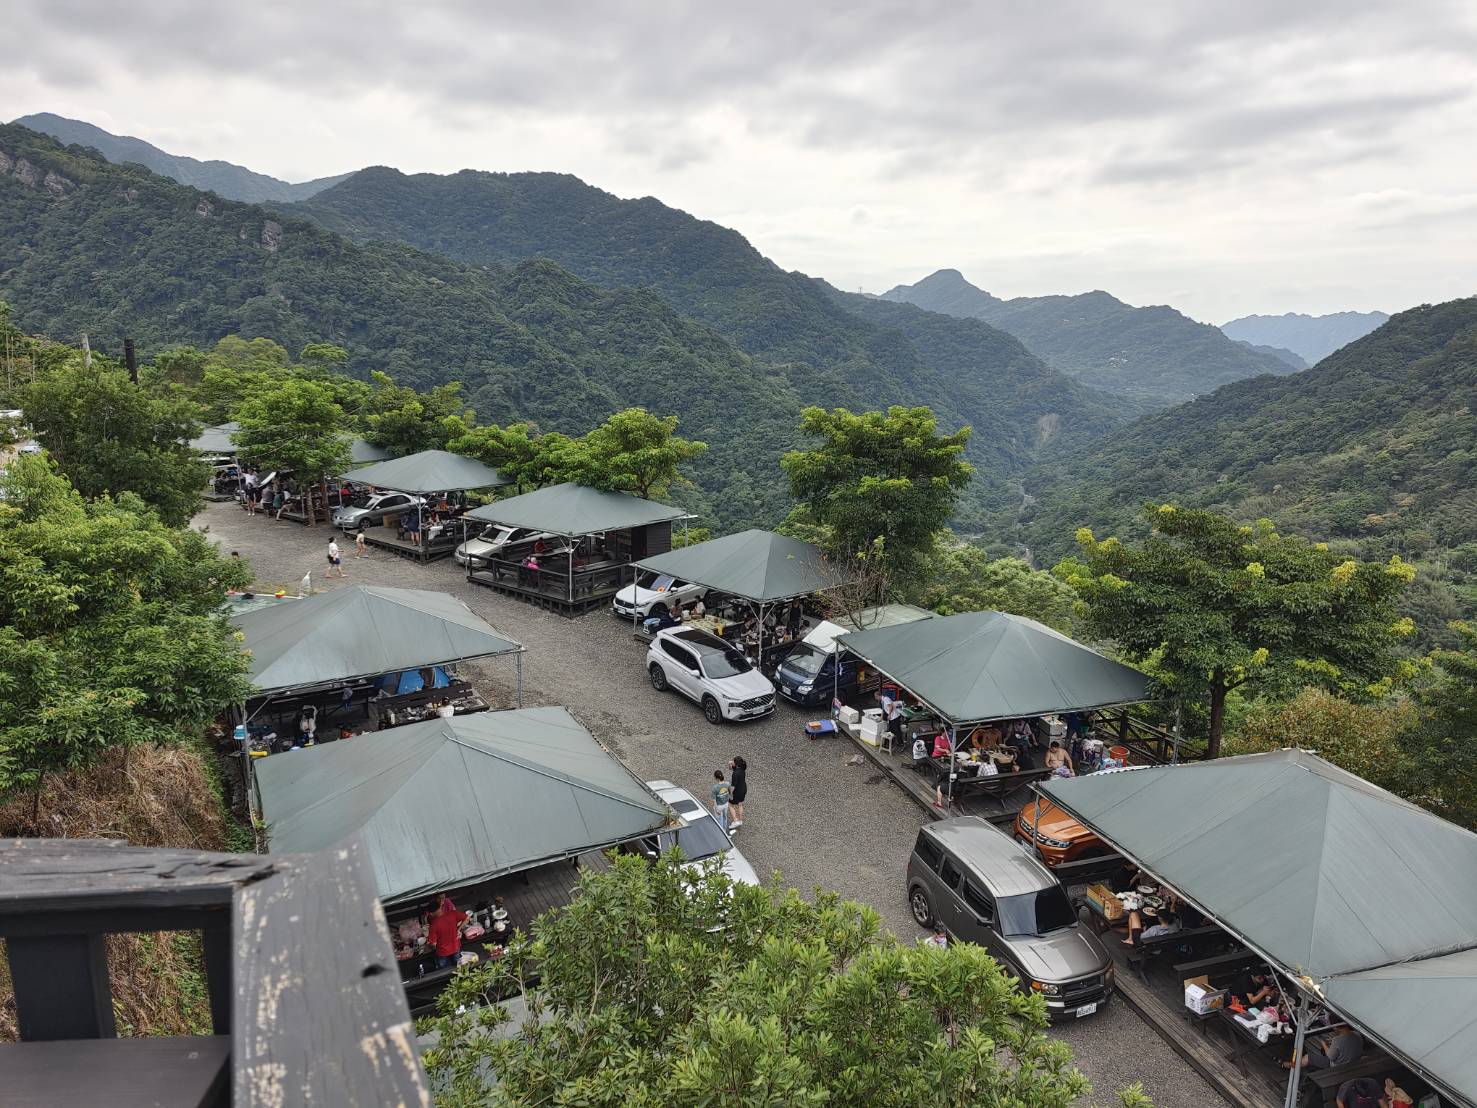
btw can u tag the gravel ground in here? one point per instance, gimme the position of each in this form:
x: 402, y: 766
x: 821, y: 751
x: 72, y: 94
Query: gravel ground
x: 809, y: 815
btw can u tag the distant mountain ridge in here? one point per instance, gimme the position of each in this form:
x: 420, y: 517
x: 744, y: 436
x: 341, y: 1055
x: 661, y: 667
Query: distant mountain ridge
x: 837, y: 349
x: 1279, y: 352
x: 1155, y: 355
x: 225, y: 179
x: 1310, y: 337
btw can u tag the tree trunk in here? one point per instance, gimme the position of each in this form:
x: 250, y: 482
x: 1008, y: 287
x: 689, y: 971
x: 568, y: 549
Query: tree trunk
x: 1218, y: 692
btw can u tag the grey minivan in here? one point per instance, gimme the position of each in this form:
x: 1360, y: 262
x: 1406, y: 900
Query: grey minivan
x: 983, y: 887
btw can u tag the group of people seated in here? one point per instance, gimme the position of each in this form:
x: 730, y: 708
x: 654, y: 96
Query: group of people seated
x: 673, y: 614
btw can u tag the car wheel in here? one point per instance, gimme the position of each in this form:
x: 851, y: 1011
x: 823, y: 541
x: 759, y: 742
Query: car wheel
x: 658, y: 678
x: 712, y: 711
x: 922, y: 910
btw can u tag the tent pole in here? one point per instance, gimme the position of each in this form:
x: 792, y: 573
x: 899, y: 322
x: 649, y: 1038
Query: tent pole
x: 953, y: 762
x: 519, y: 660
x: 760, y: 660
x: 570, y: 583
x: 1294, y: 1078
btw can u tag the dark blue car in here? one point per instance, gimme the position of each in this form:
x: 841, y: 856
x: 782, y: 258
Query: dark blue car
x: 808, y: 676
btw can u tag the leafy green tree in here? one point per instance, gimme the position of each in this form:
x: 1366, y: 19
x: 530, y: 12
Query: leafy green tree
x: 635, y: 451
x: 1443, y: 740
x: 295, y: 427
x: 962, y: 577
x: 518, y: 452
x: 324, y: 357
x: 109, y: 436
x: 660, y: 986
x: 404, y: 421
x: 1214, y: 606
x: 882, y: 482
x: 110, y: 626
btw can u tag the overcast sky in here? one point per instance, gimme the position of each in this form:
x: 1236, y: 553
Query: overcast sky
x: 1223, y: 158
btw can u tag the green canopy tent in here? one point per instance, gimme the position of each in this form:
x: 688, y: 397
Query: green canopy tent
x: 572, y: 511
x: 217, y: 441
x: 424, y: 472
x: 362, y: 451
x: 362, y: 631
x: 1360, y: 898
x: 758, y: 566
x: 454, y: 802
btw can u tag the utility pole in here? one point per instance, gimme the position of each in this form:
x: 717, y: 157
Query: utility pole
x: 86, y: 352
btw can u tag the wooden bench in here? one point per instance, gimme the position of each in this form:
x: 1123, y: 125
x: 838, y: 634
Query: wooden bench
x: 1088, y: 871
x: 1231, y: 962
x: 998, y: 785
x: 1373, y: 1063
x: 1145, y: 951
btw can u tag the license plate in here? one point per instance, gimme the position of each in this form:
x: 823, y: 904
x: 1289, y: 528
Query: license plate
x: 1086, y: 1010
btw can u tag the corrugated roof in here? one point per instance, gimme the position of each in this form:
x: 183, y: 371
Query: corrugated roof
x: 450, y: 802
x: 572, y: 509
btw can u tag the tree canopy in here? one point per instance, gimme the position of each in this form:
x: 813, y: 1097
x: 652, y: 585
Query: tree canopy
x: 110, y: 626
x: 405, y: 421
x: 661, y: 985
x: 635, y: 451
x: 961, y: 577
x: 108, y: 436
x: 295, y: 426
x: 1210, y: 605
x: 884, y: 483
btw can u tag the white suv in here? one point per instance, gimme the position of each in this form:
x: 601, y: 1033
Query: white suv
x: 651, y: 589
x: 706, y: 669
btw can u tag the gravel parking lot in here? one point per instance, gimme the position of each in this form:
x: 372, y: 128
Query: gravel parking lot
x: 809, y: 815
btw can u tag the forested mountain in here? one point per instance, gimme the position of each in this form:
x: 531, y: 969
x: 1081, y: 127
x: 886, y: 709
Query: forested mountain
x: 838, y: 350
x: 1373, y: 447
x: 1293, y: 361
x: 1310, y: 337
x: 86, y: 246
x: 1155, y: 355
x: 234, y: 182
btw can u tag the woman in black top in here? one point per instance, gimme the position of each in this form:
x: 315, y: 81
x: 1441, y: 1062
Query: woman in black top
x: 738, y: 778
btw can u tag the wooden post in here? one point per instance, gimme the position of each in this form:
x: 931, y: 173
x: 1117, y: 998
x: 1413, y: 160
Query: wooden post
x: 61, y: 986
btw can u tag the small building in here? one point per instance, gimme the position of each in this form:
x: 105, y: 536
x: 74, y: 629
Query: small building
x: 580, y: 546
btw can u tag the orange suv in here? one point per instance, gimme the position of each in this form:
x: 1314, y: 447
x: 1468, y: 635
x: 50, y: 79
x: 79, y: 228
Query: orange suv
x: 1059, y: 838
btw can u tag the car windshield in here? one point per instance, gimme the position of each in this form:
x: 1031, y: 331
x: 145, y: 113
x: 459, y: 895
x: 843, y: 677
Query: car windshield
x: 728, y: 664
x: 806, y: 660
x: 1036, y: 913
x: 700, y: 839
x: 654, y: 582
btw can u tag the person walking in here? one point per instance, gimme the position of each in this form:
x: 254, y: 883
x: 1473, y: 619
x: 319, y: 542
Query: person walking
x: 738, y: 774
x: 722, y: 793
x: 335, y: 559
x: 361, y: 548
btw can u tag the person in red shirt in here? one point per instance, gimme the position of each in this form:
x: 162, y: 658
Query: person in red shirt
x: 445, y: 933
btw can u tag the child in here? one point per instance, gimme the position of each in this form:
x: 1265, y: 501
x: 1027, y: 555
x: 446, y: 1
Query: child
x: 721, y: 794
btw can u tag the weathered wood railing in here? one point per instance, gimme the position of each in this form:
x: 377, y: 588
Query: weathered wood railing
x: 1153, y: 745
x: 305, y: 1001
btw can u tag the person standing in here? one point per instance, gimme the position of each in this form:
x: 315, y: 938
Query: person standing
x: 335, y: 559
x: 722, y: 793
x: 248, y: 484
x: 892, y: 712
x: 361, y: 548
x: 445, y: 933
x: 738, y: 776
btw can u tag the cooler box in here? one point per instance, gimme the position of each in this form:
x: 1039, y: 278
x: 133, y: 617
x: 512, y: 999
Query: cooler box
x: 850, y: 715
x: 872, y: 713
x: 871, y: 730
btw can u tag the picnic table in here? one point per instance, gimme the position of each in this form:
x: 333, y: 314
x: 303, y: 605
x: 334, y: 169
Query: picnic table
x: 1244, y: 1041
x: 1145, y: 950
x: 996, y: 785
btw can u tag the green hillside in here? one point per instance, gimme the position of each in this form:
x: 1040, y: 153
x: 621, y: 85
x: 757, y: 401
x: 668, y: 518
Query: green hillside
x: 1375, y: 447
x: 86, y: 246
x: 836, y: 350
x: 232, y: 181
x: 1154, y: 355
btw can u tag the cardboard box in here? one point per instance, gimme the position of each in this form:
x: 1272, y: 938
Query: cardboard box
x: 1106, y: 900
x: 1200, y: 998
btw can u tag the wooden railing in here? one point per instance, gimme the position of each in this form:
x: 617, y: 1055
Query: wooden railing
x: 305, y: 1000
x: 553, y: 578
x: 1152, y: 745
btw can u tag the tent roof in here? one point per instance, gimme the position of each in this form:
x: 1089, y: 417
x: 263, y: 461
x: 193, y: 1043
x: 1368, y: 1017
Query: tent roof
x: 1316, y: 868
x: 362, y: 450
x: 451, y: 801
x: 359, y: 631
x: 1348, y: 887
x: 429, y: 471
x: 217, y: 439
x: 824, y: 634
x: 992, y: 665
x: 572, y: 509
x: 1422, y: 1010
x: 756, y: 565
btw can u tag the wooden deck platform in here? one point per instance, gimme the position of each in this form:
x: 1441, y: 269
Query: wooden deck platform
x: 593, y: 588
x: 384, y: 538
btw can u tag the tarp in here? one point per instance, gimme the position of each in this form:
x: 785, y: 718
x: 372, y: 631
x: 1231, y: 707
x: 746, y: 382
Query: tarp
x: 991, y: 665
x: 429, y: 471
x: 1365, y: 896
x: 362, y: 631
x: 412, y: 680
x: 362, y: 451
x: 216, y: 440
x: 570, y: 509
x: 755, y: 565
x: 453, y: 801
